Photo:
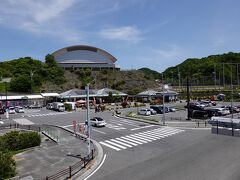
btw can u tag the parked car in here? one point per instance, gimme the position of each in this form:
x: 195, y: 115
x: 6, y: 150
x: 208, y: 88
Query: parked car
x: 11, y: 110
x: 200, y: 114
x: 97, y: 122
x: 49, y: 106
x: 2, y: 111
x: 19, y: 109
x: 153, y: 112
x: 159, y: 109
x: 172, y: 109
x: 144, y: 111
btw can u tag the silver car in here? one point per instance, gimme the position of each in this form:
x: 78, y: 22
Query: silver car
x: 97, y: 122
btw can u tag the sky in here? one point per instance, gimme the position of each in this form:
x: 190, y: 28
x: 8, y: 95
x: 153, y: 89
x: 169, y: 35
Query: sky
x: 156, y: 34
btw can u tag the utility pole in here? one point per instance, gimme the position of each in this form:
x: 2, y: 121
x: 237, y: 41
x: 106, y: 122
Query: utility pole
x: 231, y: 91
x: 237, y: 75
x: 31, y: 75
x: 215, y: 79
x: 188, y: 100
x: 179, y: 79
x: 88, y: 121
x: 223, y: 76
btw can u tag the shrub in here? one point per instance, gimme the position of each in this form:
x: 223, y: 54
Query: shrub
x: 68, y: 107
x: 7, y: 166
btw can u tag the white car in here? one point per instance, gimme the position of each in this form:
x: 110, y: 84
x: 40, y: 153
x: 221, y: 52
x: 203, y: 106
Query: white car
x: 144, y: 111
x: 19, y: 109
x: 11, y: 110
x: 97, y: 122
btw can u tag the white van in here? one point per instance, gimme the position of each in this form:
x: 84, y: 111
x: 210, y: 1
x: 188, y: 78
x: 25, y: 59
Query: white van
x: 144, y: 111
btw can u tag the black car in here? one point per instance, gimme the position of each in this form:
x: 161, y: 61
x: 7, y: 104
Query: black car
x: 159, y: 109
x: 199, y: 114
x: 2, y: 111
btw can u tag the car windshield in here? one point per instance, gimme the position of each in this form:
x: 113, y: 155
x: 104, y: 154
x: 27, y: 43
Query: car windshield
x: 99, y: 119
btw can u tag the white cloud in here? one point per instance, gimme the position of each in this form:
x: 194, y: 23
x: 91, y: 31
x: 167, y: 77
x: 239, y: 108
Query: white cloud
x: 43, y: 17
x: 172, y: 51
x: 125, y: 33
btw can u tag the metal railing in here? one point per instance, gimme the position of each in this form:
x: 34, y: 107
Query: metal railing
x: 66, y: 173
x: 72, y: 170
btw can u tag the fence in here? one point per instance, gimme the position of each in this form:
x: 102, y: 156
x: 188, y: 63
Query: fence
x: 66, y: 173
x: 72, y: 170
x: 20, y: 126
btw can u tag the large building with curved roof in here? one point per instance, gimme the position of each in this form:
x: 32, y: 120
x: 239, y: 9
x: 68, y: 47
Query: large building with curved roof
x: 83, y: 56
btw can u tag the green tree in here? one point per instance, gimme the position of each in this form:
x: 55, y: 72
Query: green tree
x: 7, y: 166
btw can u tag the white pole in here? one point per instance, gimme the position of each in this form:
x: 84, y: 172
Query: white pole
x: 88, y: 120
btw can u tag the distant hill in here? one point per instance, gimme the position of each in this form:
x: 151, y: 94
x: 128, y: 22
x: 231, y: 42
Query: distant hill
x: 150, y: 74
x: 202, y: 71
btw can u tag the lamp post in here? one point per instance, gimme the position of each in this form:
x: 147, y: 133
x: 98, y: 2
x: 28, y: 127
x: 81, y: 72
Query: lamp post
x: 88, y: 120
x: 165, y: 86
x: 5, y: 81
x: 31, y: 75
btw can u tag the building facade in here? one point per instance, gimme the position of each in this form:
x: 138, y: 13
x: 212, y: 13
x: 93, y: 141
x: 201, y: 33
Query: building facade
x: 83, y: 56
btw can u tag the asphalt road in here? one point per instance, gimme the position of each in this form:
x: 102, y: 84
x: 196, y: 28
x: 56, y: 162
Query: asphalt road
x: 136, y: 150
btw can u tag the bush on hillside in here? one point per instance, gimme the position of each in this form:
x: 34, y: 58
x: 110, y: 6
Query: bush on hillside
x: 7, y: 166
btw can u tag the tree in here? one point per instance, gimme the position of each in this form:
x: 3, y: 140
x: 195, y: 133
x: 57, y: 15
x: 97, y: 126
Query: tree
x: 7, y: 166
x: 50, y: 61
x: 20, y: 83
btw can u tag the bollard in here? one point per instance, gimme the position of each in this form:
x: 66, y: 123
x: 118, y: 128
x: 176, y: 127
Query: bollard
x: 10, y: 126
x: 70, y: 171
x: 84, y: 162
x: 198, y: 123
x: 92, y: 154
x: 205, y: 123
x: 232, y: 129
x: 217, y: 126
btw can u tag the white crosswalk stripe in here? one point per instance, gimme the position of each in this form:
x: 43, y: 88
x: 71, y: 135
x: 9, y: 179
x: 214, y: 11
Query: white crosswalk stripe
x: 116, y: 127
x: 136, y: 139
x: 133, y: 144
x: 47, y: 114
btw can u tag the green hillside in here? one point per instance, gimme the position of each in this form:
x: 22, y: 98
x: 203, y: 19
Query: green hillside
x: 202, y: 71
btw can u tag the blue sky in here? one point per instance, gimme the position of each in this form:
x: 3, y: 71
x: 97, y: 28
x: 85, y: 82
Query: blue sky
x: 140, y: 33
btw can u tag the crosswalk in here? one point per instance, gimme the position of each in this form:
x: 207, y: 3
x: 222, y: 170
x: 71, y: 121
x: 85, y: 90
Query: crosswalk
x: 45, y: 114
x: 140, y: 138
x: 23, y: 121
x: 116, y: 127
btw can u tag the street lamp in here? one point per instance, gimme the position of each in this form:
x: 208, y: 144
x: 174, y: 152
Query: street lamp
x: 31, y: 75
x: 88, y: 120
x: 165, y: 87
x: 5, y: 81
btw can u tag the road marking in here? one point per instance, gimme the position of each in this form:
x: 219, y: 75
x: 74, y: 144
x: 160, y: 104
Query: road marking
x: 113, y: 147
x: 119, y: 142
x: 142, y: 138
x: 136, y: 139
x: 125, y: 122
x: 115, y: 144
x: 127, y: 141
x: 104, y: 157
x: 132, y: 140
x: 141, y: 127
x: 98, y: 131
x: 23, y: 121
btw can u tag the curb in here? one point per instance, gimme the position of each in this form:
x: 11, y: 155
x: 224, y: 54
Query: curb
x: 96, y: 161
x: 156, y: 123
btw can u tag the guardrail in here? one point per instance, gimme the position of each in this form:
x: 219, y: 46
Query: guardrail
x: 21, y: 126
x: 72, y: 170
x: 226, y: 126
x: 66, y: 173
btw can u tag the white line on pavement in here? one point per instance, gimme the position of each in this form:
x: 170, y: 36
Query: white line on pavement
x: 98, y: 131
x: 113, y: 147
x: 96, y: 168
x: 141, y: 127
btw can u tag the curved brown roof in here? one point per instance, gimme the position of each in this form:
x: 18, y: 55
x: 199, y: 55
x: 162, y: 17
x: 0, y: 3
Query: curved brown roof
x: 84, y: 47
